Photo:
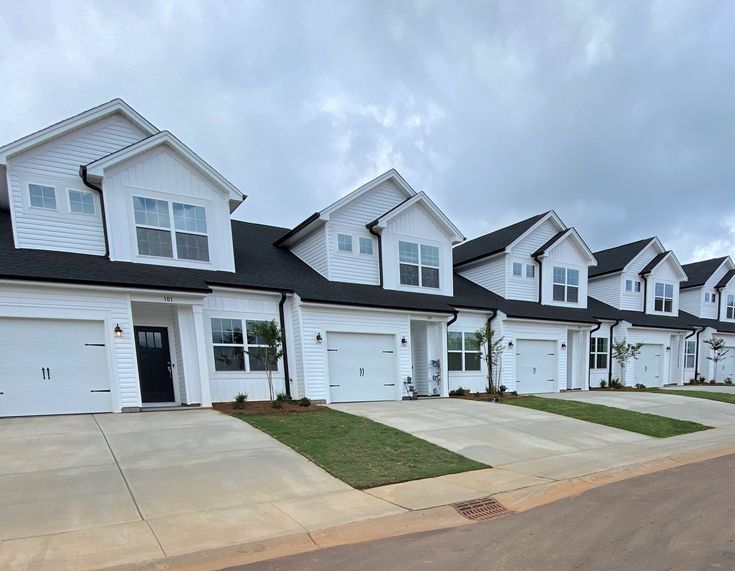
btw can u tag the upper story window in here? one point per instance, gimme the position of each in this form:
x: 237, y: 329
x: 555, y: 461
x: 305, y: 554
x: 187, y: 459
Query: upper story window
x: 690, y: 351
x: 419, y: 264
x: 633, y: 286
x: 566, y: 284
x: 188, y: 241
x: 344, y: 242
x: 463, y: 351
x: 517, y: 269
x: 664, y: 297
x: 710, y: 297
x: 598, y: 353
x: 81, y: 202
x: 730, y: 306
x: 230, y: 346
x: 366, y: 246
x: 42, y: 196
x: 530, y: 270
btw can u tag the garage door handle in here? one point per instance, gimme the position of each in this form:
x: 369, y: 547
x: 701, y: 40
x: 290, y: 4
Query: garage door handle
x: 549, y: 380
x: 43, y: 372
x: 100, y: 391
x: 389, y: 385
x: 333, y: 385
x: 48, y: 373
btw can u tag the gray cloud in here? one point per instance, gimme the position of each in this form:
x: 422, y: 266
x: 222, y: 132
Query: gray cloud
x: 620, y: 116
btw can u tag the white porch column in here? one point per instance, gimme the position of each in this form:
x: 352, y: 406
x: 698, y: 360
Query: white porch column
x: 201, y: 354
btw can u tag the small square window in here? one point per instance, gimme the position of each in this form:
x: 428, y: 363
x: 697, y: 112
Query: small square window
x: 42, y: 196
x: 530, y: 270
x: 81, y: 202
x: 638, y: 287
x: 628, y: 285
x: 344, y: 242
x: 366, y: 246
x: 517, y: 269
x: 706, y: 297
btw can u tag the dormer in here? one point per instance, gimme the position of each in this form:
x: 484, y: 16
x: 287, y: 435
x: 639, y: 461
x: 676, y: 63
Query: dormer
x: 538, y: 259
x: 383, y: 233
x: 710, y: 289
x: 639, y: 276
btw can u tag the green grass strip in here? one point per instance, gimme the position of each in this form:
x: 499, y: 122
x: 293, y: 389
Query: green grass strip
x: 719, y: 397
x: 357, y: 450
x: 640, y: 422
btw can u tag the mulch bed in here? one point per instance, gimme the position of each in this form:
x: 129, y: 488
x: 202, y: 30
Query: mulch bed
x: 264, y: 407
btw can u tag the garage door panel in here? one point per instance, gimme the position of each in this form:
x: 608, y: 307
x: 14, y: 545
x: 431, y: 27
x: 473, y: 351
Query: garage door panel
x: 726, y: 366
x: 649, y: 365
x: 52, y: 366
x: 536, y: 366
x: 362, y: 367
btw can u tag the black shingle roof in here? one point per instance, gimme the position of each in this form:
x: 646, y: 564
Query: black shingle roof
x: 700, y: 272
x: 615, y: 259
x: 683, y: 321
x: 653, y: 263
x: 550, y: 242
x: 493, y: 242
x: 726, y: 279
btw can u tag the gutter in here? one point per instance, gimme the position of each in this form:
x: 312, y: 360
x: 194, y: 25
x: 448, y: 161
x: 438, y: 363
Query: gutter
x: 589, y: 369
x: 609, y: 352
x: 380, y: 253
x: 85, y: 180
x: 454, y: 317
x: 282, y: 318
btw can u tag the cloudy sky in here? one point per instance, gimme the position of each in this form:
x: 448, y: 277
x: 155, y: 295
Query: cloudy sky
x: 618, y: 115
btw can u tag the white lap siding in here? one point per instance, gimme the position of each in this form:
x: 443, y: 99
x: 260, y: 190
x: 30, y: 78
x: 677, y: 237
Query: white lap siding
x: 224, y: 385
x: 475, y: 381
x: 36, y: 301
x: 513, y: 330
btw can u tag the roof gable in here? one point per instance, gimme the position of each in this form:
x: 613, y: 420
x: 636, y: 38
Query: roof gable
x: 660, y: 260
x: 432, y: 209
x: 164, y: 138
x: 116, y: 106
x: 699, y: 273
x: 617, y: 258
x: 562, y: 236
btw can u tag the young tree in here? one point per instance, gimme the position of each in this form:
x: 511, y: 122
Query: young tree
x: 624, y: 352
x: 268, y: 335
x: 717, y: 345
x: 491, y: 350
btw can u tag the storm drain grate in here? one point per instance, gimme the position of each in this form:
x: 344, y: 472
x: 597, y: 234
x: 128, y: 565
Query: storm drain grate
x: 483, y: 508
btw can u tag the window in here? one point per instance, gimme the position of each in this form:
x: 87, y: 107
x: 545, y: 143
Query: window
x: 230, y: 347
x: 690, y: 354
x: 530, y: 270
x: 42, y: 196
x: 633, y: 286
x: 418, y: 271
x: 730, y: 306
x: 463, y: 351
x: 566, y: 285
x: 664, y: 297
x: 598, y: 353
x: 517, y: 269
x: 366, y: 246
x: 344, y: 242
x: 81, y: 202
x: 153, y: 229
x: 710, y: 297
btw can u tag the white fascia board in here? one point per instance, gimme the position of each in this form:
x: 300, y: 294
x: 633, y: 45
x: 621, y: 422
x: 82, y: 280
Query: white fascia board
x: 573, y: 232
x: 550, y: 215
x: 437, y: 214
x: 76, y: 122
x: 388, y: 175
x: 97, y: 168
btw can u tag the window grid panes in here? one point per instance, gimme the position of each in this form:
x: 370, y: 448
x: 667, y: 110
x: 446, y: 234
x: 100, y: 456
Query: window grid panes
x: 153, y: 229
x: 231, y: 346
x: 598, y: 353
x: 664, y: 297
x: 730, y: 306
x: 257, y: 348
x: 566, y: 285
x: 530, y: 270
x: 690, y: 354
x: 632, y: 286
x: 344, y: 242
x: 517, y: 269
x: 42, y: 196
x: 366, y: 246
x: 418, y: 270
x: 463, y: 351
x: 81, y: 202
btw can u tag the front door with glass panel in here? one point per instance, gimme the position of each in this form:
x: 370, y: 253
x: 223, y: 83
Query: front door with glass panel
x: 154, y: 365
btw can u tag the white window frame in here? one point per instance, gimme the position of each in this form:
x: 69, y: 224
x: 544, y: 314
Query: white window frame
x: 352, y: 243
x: 664, y: 298
x: 517, y: 266
x: 566, y: 285
x: 365, y: 240
x: 635, y: 286
x: 730, y: 307
x: 596, y: 353
x: 42, y: 208
x: 244, y: 346
x: 68, y: 202
x: 463, y: 352
x: 420, y: 265
x: 530, y: 271
x: 171, y: 229
x: 688, y: 354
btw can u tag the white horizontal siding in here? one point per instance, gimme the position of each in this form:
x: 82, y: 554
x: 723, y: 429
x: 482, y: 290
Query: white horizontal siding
x: 313, y: 250
x: 490, y: 274
x: 663, y: 273
x: 535, y: 239
x: 690, y: 300
x: 521, y: 287
x: 372, y: 204
x: 641, y: 261
x: 631, y: 300
x: 597, y: 375
x: 352, y: 267
x: 474, y: 381
x: 606, y: 289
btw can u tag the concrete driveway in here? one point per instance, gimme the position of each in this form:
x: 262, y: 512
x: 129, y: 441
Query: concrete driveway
x: 78, y: 491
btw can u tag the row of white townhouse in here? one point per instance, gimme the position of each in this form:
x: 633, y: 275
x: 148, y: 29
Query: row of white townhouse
x: 124, y: 284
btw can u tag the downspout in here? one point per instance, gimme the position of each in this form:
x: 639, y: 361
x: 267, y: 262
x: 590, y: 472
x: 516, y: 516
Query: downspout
x: 719, y: 302
x: 540, y: 275
x: 609, y: 352
x: 645, y: 292
x: 454, y: 318
x: 685, y: 352
x: 282, y: 318
x: 696, y: 356
x: 83, y: 175
x: 380, y: 256
x: 589, y: 369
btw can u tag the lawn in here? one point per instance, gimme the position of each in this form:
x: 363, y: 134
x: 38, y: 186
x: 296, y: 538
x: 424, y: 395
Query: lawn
x: 642, y: 423
x: 719, y: 397
x: 358, y: 451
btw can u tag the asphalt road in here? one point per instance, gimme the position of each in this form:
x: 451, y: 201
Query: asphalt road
x: 683, y: 518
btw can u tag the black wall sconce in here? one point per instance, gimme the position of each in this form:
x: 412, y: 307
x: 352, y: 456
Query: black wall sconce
x: 319, y: 337
x: 510, y: 344
x: 118, y: 330
x: 668, y: 348
x: 563, y: 345
x: 403, y: 341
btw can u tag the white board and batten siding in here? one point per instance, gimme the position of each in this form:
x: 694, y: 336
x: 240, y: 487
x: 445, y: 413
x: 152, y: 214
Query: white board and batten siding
x: 56, y: 163
x: 224, y: 385
x: 323, y: 320
x: 567, y: 254
x: 475, y: 381
x: 490, y: 273
x: 62, y: 303
x: 160, y: 173
x: 663, y: 273
x: 514, y: 330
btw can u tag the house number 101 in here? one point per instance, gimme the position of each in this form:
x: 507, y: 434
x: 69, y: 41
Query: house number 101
x: 168, y: 298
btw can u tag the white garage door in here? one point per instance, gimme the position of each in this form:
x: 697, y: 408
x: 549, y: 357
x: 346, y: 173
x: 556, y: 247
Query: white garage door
x: 362, y: 367
x: 726, y: 366
x: 50, y: 366
x: 649, y: 365
x: 536, y: 368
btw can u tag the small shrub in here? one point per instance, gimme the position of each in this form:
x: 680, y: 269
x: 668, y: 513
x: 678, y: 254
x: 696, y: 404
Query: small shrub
x: 304, y: 401
x: 603, y: 384
x: 458, y: 392
x: 728, y: 381
x: 640, y: 386
x: 477, y: 394
x: 281, y: 397
x: 502, y: 389
x: 701, y: 380
x: 616, y: 384
x: 277, y: 403
x: 712, y: 382
x: 692, y: 381
x: 240, y: 400
x: 514, y: 393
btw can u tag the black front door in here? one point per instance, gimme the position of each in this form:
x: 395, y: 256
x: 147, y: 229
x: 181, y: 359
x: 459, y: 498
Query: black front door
x: 154, y: 364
